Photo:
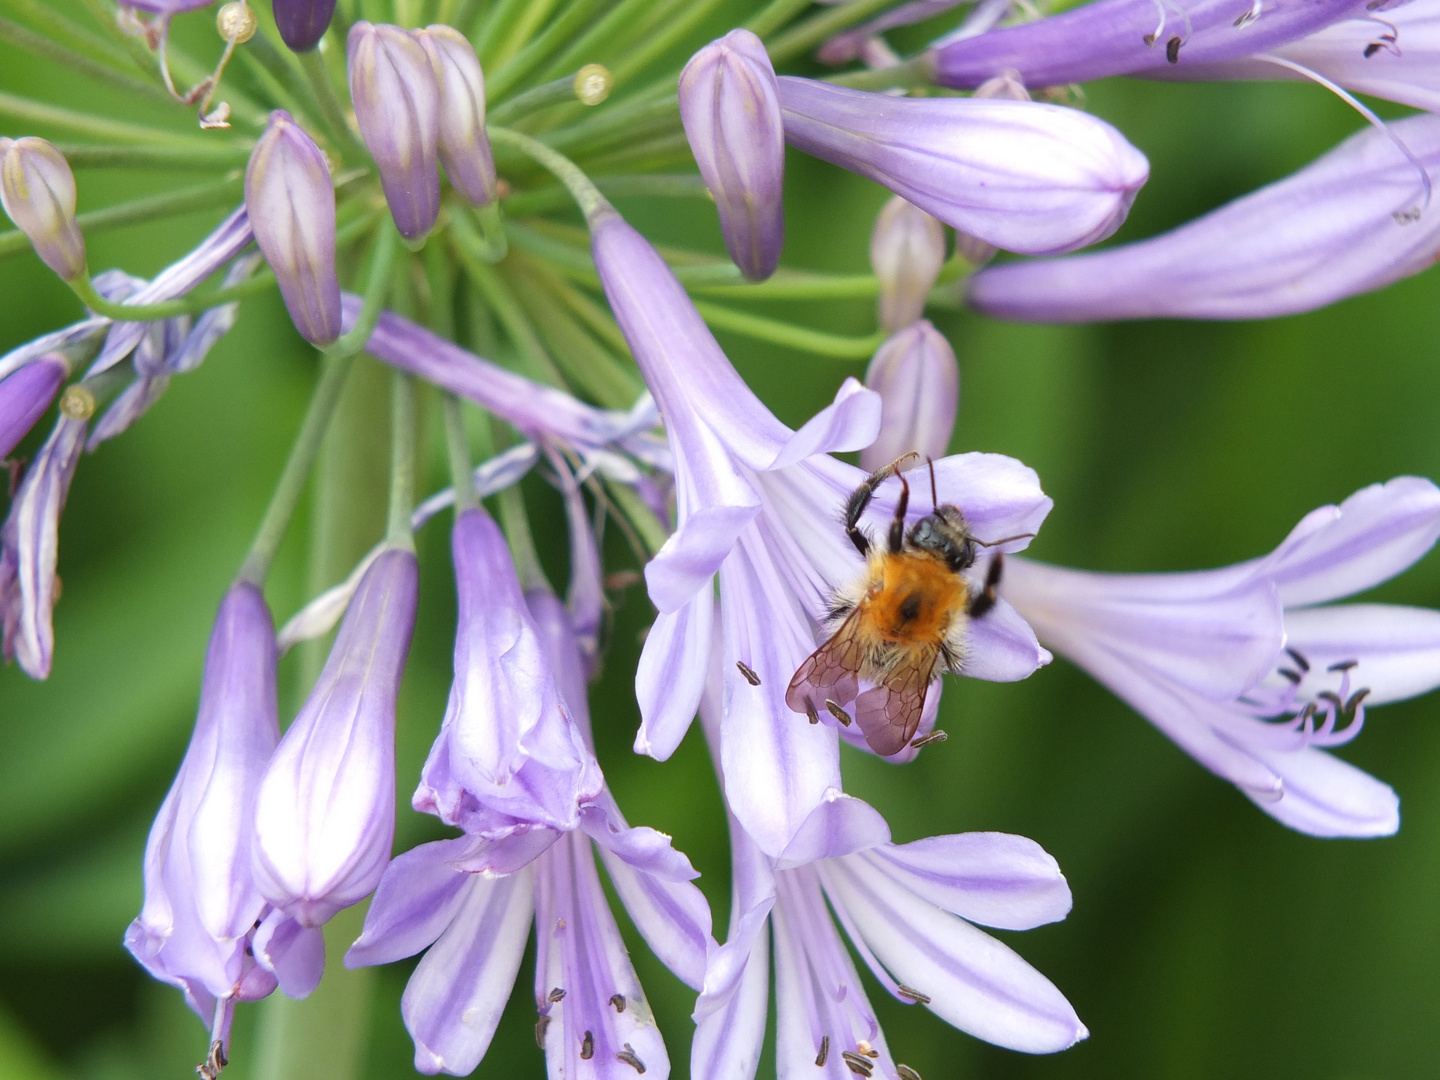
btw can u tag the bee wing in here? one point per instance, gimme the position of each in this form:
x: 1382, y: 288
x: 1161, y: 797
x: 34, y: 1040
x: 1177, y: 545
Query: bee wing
x: 831, y: 671
x: 889, y: 714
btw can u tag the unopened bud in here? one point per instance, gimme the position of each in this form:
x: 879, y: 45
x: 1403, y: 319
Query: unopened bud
x: 593, y: 83
x: 25, y: 395
x: 303, y: 23
x: 37, y: 190
x: 907, y: 250
x: 974, y: 250
x: 730, y: 107
x: 464, y: 146
x: 918, y: 381
x: 291, y: 203
x: 397, y: 105
x: 236, y: 22
x: 1006, y: 86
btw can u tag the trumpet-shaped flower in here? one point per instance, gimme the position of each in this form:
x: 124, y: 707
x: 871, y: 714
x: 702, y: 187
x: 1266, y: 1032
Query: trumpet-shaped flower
x: 1247, y: 669
x: 1351, y: 222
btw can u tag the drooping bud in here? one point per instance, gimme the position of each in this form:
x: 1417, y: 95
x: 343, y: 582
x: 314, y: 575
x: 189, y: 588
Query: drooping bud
x: 303, y: 23
x: 730, y: 107
x: 918, y: 380
x: 464, y: 146
x: 291, y: 204
x: 37, y: 190
x: 397, y: 105
x: 907, y: 250
x: 25, y: 396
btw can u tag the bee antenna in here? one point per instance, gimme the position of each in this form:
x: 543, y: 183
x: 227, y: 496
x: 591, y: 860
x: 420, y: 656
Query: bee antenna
x: 997, y: 543
x: 934, y: 498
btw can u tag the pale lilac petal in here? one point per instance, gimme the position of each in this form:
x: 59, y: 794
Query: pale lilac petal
x: 1325, y: 796
x: 730, y: 1037
x: 840, y: 825
x: 851, y: 423
x: 688, y: 560
x: 647, y: 850
x: 505, y: 851
x: 294, y: 954
x: 1398, y: 647
x: 1001, y: 647
x: 417, y: 898
x: 671, y: 675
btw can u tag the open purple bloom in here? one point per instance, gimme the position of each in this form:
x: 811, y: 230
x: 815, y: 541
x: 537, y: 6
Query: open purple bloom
x: 1027, y: 177
x: 1243, y: 670
x: 1124, y: 37
x: 474, y: 914
x: 325, y: 811
x: 201, y: 904
x: 1349, y: 223
x: 302, y: 23
x: 918, y: 381
x: 25, y: 395
x: 37, y: 190
x: 756, y: 503
x: 730, y: 107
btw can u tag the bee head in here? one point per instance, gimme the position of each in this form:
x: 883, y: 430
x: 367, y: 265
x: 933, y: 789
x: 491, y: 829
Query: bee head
x: 946, y: 533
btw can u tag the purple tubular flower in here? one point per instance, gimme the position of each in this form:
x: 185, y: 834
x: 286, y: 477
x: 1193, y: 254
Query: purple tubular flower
x: 756, y: 502
x: 325, y: 812
x: 1037, y: 179
x: 302, y: 23
x: 1346, y: 224
x: 25, y: 395
x: 37, y: 190
x: 291, y: 203
x: 1243, y: 670
x: 29, y: 541
x: 907, y: 249
x: 464, y: 145
x: 1124, y: 37
x: 397, y: 105
x: 730, y: 106
x: 201, y: 905
x: 918, y: 380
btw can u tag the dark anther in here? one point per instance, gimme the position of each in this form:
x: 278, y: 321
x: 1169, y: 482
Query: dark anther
x: 810, y: 711
x: 936, y: 736
x: 618, y: 1000
x: 1332, y: 697
x: 1294, y: 676
x: 628, y: 1056
x: 557, y: 994
x: 1372, y: 49
x: 1299, y: 659
x: 1149, y: 40
x: 1172, y: 50
x: 748, y: 672
x: 913, y: 995
x: 905, y: 1072
x: 587, y: 1046
x: 1343, y: 665
x: 216, y: 1060
x: 541, y: 1023
x: 1356, y: 698
x: 860, y: 1066
x: 824, y: 1054
x: 837, y: 712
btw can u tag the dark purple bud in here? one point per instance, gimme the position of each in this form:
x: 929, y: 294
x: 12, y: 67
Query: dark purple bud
x: 303, y: 23
x: 25, y: 396
x: 731, y: 111
x: 37, y: 190
x: 397, y: 105
x: 464, y: 146
x: 291, y: 204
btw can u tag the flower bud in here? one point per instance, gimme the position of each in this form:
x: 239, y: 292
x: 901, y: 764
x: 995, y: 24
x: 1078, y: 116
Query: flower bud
x: 325, y: 812
x: 291, y: 204
x: 397, y: 105
x: 25, y: 396
x: 303, y: 23
x: 730, y: 107
x: 917, y: 378
x: 37, y: 190
x: 907, y: 250
x: 1007, y: 86
x: 464, y: 146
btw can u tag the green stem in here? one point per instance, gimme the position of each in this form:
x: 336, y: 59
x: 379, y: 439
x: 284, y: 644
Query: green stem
x: 918, y: 71
x: 198, y: 158
x: 62, y: 29
x: 790, y: 285
x: 555, y: 92
x: 26, y: 40
x: 586, y: 194
x: 642, y: 519
x: 375, y: 285
x: 839, y: 346
x: 511, y: 73
x: 501, y: 300
x: 330, y: 108
x: 493, y: 245
x: 775, y: 15
x: 624, y: 21
x: 102, y: 127
x: 458, y: 446
x: 104, y: 14
x: 666, y: 36
x: 629, y: 122
x: 84, y: 288
x: 817, y: 28
x: 662, y: 186
x: 402, y: 461
x: 297, y: 470
x: 516, y: 524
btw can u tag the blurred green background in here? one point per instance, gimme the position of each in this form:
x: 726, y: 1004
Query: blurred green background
x: 1206, y: 939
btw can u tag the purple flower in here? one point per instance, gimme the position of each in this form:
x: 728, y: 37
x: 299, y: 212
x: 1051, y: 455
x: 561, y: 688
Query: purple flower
x: 37, y: 190
x: 25, y: 395
x: 302, y: 23
x: 201, y: 905
x: 29, y: 541
x: 907, y: 249
x: 1243, y: 670
x: 325, y: 812
x: 471, y: 901
x: 464, y: 146
x: 918, y: 381
x: 397, y: 105
x: 1026, y: 177
x: 168, y: 7
x: 756, y: 502
x: 730, y: 107
x: 1124, y: 37
x: 291, y: 203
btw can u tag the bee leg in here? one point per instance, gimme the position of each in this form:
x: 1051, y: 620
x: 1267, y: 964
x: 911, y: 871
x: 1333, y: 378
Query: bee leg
x: 897, y: 523
x: 985, y: 599
x: 859, y: 500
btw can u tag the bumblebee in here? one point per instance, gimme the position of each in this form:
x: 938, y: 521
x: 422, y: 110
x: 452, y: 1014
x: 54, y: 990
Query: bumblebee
x: 902, y: 623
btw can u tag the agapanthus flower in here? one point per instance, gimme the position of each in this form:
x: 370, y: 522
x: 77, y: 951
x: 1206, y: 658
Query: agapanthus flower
x: 325, y: 810
x: 302, y: 23
x: 25, y: 395
x: 907, y: 250
x: 918, y: 381
x: 201, y: 908
x: 756, y: 503
x: 471, y: 900
x: 37, y: 190
x: 1351, y: 222
x: 1024, y: 176
x: 464, y: 147
x: 1250, y: 668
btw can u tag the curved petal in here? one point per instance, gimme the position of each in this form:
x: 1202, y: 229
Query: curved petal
x: 1398, y: 647
x: 840, y: 825
x: 415, y: 901
x: 689, y: 558
x: 670, y: 677
x: 851, y: 423
x: 672, y: 916
x: 729, y: 1039
x: 1325, y: 796
x: 294, y: 954
x: 1001, y: 646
